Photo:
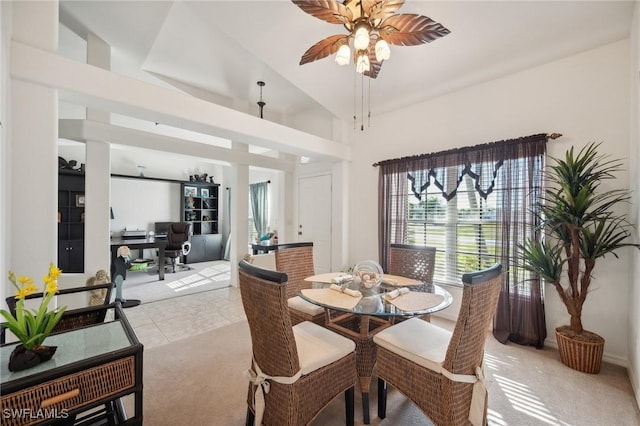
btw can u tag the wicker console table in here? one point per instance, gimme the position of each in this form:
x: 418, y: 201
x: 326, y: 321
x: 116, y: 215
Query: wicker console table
x: 91, y: 370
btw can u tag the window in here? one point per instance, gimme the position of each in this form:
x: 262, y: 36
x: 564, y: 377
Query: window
x: 475, y: 205
x: 463, y: 230
x: 253, y: 234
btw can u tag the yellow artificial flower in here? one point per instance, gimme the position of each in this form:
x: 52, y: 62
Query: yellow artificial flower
x: 31, y: 327
x: 25, y: 281
x: 52, y: 286
x: 21, y: 293
x: 31, y: 288
x: 54, y: 271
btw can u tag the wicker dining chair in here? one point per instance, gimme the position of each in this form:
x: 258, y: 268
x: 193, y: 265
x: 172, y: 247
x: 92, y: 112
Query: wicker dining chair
x: 441, y: 370
x: 306, y: 365
x: 296, y: 260
x: 412, y: 261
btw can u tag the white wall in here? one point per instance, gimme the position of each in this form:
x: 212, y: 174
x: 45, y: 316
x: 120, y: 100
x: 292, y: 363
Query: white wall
x: 585, y: 97
x: 5, y: 135
x: 141, y: 203
x: 634, y: 285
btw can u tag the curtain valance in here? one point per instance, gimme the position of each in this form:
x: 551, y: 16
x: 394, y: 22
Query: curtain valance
x: 479, y: 162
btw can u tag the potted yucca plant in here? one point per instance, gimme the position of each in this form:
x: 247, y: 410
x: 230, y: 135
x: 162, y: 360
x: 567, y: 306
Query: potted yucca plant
x: 582, y: 223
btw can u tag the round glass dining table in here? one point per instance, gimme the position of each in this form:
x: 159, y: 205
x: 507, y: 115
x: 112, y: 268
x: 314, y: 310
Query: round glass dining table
x: 375, y: 301
x: 359, y: 313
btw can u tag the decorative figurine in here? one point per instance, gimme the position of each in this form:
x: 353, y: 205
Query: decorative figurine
x: 97, y: 296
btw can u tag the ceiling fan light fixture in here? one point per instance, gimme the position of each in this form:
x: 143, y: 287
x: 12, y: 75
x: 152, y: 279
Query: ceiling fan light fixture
x: 362, y: 64
x: 383, y: 52
x: 361, y: 36
x: 343, y: 56
x: 372, y: 26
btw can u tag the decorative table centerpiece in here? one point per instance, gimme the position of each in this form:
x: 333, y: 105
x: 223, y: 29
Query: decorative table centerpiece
x: 367, y: 274
x: 32, y: 327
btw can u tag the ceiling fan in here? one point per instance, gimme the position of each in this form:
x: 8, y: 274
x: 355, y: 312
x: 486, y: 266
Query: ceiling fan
x: 372, y: 25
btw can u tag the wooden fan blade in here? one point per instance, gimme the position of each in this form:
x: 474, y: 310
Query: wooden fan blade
x: 411, y: 30
x: 374, y: 65
x: 330, y: 11
x: 324, y: 48
x: 382, y: 9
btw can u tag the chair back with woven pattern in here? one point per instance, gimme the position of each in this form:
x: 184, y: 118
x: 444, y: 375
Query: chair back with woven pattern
x: 412, y: 261
x: 263, y: 293
x: 296, y: 260
x: 479, y: 302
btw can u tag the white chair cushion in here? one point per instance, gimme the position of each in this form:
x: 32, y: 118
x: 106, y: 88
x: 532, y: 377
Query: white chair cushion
x: 299, y: 304
x: 416, y: 340
x: 266, y: 261
x: 318, y: 346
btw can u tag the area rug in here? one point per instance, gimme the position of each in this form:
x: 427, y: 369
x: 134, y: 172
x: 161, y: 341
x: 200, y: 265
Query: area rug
x: 205, y: 276
x: 199, y: 381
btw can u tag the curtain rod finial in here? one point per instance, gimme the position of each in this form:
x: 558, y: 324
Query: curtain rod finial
x: 555, y: 135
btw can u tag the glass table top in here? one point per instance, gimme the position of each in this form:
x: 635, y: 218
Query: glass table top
x: 375, y: 302
x: 73, y: 346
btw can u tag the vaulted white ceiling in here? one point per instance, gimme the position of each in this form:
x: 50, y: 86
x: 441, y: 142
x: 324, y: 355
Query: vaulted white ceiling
x: 220, y: 49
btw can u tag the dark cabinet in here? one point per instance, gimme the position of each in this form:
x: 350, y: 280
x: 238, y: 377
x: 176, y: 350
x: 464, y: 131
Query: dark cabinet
x: 71, y: 221
x: 199, y: 206
x: 71, y: 255
x: 204, y: 248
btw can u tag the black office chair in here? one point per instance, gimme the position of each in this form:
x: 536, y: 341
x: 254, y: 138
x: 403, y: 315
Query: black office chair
x: 178, y: 244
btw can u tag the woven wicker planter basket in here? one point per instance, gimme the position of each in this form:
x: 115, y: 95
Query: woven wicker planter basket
x: 580, y: 355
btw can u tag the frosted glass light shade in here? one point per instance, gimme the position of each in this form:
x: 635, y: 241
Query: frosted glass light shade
x: 361, y: 38
x: 343, y: 56
x: 363, y: 63
x: 382, y: 50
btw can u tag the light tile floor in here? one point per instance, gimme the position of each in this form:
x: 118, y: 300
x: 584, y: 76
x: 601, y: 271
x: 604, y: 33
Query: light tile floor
x: 165, y: 321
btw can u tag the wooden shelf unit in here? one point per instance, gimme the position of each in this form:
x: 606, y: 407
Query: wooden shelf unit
x: 71, y: 220
x: 200, y: 206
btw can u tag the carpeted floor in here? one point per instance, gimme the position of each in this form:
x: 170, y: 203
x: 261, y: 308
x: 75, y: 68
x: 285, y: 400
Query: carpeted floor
x: 199, y: 381
x: 204, y: 276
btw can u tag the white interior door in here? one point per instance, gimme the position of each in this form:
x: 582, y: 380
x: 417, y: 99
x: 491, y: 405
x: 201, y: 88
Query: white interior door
x: 314, y: 218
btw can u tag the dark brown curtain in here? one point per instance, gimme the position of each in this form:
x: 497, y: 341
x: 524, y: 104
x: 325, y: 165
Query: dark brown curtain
x: 392, y: 207
x: 516, y: 167
x: 520, y: 315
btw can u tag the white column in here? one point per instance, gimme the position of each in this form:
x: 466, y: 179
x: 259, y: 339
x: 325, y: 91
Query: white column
x: 98, y: 54
x: 284, y: 196
x: 97, y: 183
x: 5, y: 148
x: 97, y: 253
x: 239, y: 212
x: 33, y: 201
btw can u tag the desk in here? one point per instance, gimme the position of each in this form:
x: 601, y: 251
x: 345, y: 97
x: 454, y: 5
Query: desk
x: 142, y: 243
x: 93, y: 366
x: 371, y: 314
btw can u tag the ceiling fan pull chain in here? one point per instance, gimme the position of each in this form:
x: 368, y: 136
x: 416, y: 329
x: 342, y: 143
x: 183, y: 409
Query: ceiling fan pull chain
x: 362, y: 102
x: 355, y: 94
x: 369, y: 106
